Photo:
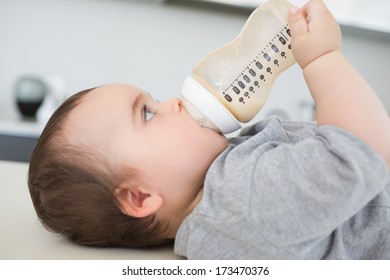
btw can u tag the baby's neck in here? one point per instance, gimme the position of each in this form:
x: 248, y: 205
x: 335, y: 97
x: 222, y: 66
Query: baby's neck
x: 176, y: 220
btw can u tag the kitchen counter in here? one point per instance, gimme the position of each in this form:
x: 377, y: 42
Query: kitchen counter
x: 21, y: 128
x: 23, y: 237
x: 370, y: 15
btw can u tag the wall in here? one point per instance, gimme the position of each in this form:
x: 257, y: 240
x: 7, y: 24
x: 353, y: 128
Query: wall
x: 153, y: 45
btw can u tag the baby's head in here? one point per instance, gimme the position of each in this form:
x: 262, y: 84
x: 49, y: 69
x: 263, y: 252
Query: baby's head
x: 113, y: 167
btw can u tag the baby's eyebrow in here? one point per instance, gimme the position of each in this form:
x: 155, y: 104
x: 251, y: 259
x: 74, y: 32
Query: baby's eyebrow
x: 136, y: 105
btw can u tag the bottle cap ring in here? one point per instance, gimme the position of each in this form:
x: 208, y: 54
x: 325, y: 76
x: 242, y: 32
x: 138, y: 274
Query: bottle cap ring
x: 205, y: 102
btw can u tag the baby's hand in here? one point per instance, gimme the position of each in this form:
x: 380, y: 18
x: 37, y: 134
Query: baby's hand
x: 314, y: 32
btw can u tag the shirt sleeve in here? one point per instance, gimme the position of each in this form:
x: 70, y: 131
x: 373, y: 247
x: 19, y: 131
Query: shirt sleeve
x: 305, y: 190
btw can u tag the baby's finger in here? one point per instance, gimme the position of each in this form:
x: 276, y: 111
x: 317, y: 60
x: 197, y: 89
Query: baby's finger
x: 297, y: 22
x: 315, y: 10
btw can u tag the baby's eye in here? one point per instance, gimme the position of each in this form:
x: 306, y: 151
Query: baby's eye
x: 148, y: 115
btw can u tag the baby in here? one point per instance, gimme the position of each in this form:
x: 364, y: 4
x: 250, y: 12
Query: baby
x: 113, y: 167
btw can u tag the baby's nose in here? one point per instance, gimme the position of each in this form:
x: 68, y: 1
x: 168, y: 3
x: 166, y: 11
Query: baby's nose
x: 175, y: 104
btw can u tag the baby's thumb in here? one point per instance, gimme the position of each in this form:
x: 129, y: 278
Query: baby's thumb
x: 297, y: 22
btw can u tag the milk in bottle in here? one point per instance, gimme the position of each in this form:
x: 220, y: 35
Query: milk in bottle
x: 230, y: 85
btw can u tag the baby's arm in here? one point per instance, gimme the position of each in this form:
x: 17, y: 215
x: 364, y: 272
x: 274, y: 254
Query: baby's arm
x: 343, y: 98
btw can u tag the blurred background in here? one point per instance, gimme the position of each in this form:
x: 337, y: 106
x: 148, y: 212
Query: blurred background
x: 51, y: 49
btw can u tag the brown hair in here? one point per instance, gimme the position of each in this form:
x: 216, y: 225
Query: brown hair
x: 72, y: 191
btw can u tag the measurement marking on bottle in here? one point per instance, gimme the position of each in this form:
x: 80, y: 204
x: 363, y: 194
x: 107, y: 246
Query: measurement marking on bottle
x: 285, y: 37
x: 255, y: 68
x: 282, y: 40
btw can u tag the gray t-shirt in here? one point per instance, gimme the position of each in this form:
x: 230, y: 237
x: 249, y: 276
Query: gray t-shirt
x: 291, y: 191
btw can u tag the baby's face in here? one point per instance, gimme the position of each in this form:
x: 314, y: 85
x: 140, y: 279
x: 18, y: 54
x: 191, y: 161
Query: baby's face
x: 161, y: 140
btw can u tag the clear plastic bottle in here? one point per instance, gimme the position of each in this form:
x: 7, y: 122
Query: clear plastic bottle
x: 230, y: 85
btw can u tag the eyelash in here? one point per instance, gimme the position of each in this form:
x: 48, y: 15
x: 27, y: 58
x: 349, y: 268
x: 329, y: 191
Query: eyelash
x: 148, y: 114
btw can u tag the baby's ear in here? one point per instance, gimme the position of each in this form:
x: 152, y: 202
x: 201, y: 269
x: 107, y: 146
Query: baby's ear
x: 137, y: 201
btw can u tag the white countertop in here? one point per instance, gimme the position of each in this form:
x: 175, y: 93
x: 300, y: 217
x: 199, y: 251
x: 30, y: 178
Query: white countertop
x: 21, y: 128
x: 23, y: 237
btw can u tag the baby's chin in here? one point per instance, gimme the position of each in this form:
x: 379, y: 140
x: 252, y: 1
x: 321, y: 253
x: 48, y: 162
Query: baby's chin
x: 217, y: 136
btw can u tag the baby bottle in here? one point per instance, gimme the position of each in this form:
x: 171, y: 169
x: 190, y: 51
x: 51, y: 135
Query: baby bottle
x: 230, y: 85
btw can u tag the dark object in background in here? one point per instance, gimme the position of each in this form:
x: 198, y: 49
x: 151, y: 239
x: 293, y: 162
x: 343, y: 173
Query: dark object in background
x: 17, y: 148
x: 30, y: 92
